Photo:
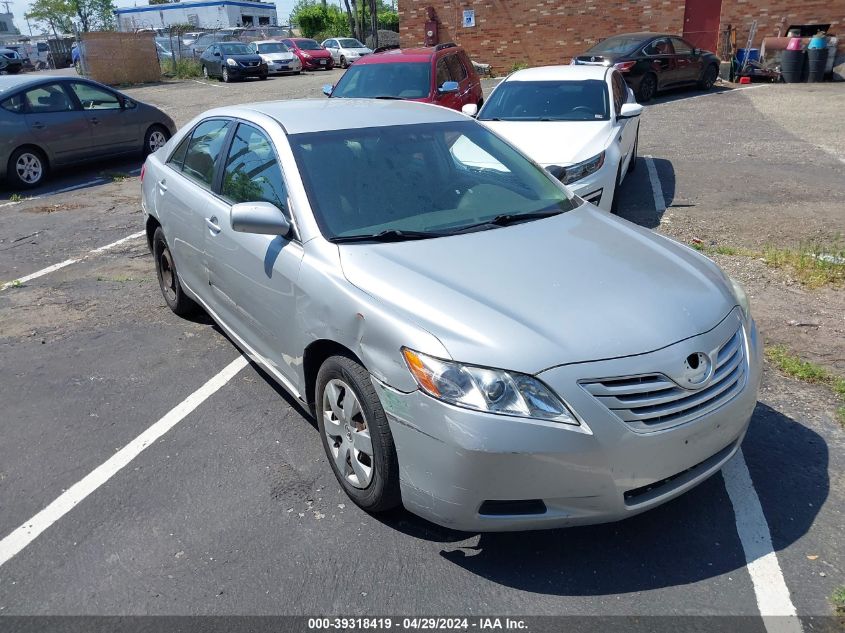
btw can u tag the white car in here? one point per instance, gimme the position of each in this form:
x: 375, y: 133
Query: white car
x: 579, y: 122
x: 345, y: 50
x: 279, y: 58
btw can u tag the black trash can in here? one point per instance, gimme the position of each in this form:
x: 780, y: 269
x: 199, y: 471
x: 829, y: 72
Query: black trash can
x: 816, y: 62
x: 792, y: 66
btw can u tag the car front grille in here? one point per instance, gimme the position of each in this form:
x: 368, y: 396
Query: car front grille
x: 651, y: 402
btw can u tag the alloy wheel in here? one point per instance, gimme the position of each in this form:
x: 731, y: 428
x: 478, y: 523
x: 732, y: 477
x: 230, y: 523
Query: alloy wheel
x: 166, y: 276
x: 157, y: 141
x: 205, y: 72
x: 28, y: 168
x: 348, y: 433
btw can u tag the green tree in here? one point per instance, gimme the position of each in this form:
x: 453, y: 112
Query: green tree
x: 60, y: 15
x: 56, y: 14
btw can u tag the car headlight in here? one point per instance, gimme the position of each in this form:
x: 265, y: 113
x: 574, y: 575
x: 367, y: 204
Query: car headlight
x: 231, y: 62
x: 485, y: 389
x: 578, y: 171
x: 741, y: 297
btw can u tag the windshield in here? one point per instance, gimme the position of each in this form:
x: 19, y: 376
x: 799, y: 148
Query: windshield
x: 402, y: 81
x: 618, y: 44
x: 274, y: 47
x: 165, y: 44
x: 350, y: 43
x: 235, y: 49
x: 433, y: 177
x: 308, y: 45
x: 585, y: 100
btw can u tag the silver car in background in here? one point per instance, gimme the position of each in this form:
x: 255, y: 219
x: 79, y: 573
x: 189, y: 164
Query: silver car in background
x: 50, y: 121
x: 345, y: 50
x: 278, y: 57
x: 475, y: 342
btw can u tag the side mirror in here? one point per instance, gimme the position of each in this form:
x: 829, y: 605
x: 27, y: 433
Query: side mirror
x: 259, y: 217
x: 327, y: 90
x: 448, y: 87
x: 630, y: 111
x: 696, y: 52
x: 128, y: 104
x: 470, y: 109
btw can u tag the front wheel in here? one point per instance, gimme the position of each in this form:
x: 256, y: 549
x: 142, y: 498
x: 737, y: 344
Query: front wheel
x: 168, y: 279
x: 343, y: 62
x: 205, y: 72
x: 632, y: 164
x: 709, y: 78
x: 226, y: 78
x: 263, y: 76
x: 614, y: 203
x: 356, y: 435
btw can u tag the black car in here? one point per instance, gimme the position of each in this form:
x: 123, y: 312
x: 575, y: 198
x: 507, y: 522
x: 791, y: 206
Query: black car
x: 651, y: 62
x: 10, y: 61
x: 232, y: 60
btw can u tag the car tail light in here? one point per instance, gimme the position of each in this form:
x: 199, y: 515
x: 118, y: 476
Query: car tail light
x: 624, y: 67
x: 143, y: 169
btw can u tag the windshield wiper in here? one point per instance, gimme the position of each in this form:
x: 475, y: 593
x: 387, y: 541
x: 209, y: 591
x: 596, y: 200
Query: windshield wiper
x: 389, y: 97
x: 506, y: 219
x: 388, y: 235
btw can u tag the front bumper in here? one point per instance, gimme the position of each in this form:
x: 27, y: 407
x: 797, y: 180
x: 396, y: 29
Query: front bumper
x: 315, y: 63
x: 454, y: 462
x: 282, y: 67
x: 247, y: 71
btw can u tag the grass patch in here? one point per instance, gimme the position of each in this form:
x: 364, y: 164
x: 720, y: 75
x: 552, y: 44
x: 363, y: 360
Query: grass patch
x: 518, y: 66
x: 838, y: 600
x: 813, y: 264
x: 792, y: 365
x: 115, y: 177
x: 16, y: 197
x: 121, y: 279
x: 181, y: 68
x: 17, y: 283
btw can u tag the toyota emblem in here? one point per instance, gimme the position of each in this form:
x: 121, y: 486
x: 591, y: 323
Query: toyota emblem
x: 697, y: 369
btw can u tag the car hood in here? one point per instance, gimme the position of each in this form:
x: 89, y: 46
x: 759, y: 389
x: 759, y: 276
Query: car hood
x: 554, y: 142
x: 320, y: 53
x: 576, y: 287
x: 278, y: 57
x: 360, y: 51
x: 243, y: 58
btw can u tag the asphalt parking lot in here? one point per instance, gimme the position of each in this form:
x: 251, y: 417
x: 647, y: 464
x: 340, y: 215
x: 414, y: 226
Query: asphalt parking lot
x: 234, y: 509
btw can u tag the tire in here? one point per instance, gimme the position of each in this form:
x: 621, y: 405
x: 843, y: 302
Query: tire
x: 205, y: 72
x: 373, y: 487
x: 647, y: 88
x: 13, y: 71
x: 27, y: 168
x: 225, y: 75
x: 614, y: 203
x: 343, y: 62
x: 263, y: 77
x: 709, y: 77
x: 632, y: 164
x: 78, y: 67
x: 168, y: 279
x: 155, y: 138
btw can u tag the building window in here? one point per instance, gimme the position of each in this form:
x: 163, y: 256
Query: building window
x: 246, y: 20
x: 193, y: 19
x: 263, y: 21
x: 3, y: 26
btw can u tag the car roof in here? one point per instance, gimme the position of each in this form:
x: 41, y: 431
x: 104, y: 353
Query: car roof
x: 266, y: 42
x: 9, y: 83
x: 559, y: 73
x: 299, y: 116
x: 401, y: 55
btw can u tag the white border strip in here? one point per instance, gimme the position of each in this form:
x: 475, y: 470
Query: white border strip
x: 68, y: 262
x: 31, y: 529
x: 770, y: 588
x: 656, y: 187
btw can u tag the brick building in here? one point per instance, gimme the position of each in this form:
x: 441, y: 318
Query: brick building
x: 538, y: 32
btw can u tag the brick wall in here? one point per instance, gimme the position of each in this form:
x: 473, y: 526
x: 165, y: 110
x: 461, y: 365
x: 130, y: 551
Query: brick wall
x: 541, y: 32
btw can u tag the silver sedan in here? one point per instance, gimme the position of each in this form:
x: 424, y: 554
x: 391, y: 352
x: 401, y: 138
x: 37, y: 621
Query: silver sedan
x: 48, y: 122
x: 475, y: 342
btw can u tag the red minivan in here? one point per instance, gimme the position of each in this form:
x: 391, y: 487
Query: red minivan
x: 442, y: 74
x: 310, y: 53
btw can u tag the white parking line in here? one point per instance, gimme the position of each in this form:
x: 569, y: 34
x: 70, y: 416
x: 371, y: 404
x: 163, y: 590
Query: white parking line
x: 773, y: 600
x: 68, y: 262
x: 656, y: 188
x: 29, y: 531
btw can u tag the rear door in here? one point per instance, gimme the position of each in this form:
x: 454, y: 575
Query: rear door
x: 113, y: 129
x: 184, y: 199
x: 57, y: 122
x: 253, y: 277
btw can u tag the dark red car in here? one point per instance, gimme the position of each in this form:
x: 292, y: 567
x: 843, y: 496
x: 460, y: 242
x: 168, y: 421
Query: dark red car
x: 441, y: 74
x: 310, y: 53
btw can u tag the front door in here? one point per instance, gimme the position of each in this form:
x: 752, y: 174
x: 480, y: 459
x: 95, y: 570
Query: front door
x: 112, y: 128
x: 443, y: 74
x: 701, y: 23
x: 57, y: 123
x: 688, y: 64
x: 253, y: 277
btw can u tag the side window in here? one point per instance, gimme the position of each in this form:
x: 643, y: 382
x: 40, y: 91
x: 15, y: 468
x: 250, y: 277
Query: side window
x: 94, y: 98
x: 252, y: 172
x: 49, y: 98
x: 658, y: 47
x: 681, y: 47
x: 13, y: 104
x: 619, y: 92
x: 443, y: 74
x: 204, y: 150
x: 178, y: 156
x: 456, y: 68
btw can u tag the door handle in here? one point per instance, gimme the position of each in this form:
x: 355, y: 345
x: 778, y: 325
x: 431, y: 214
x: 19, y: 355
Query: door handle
x: 95, y: 120
x: 212, y: 225
x: 38, y: 125
x: 162, y: 184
